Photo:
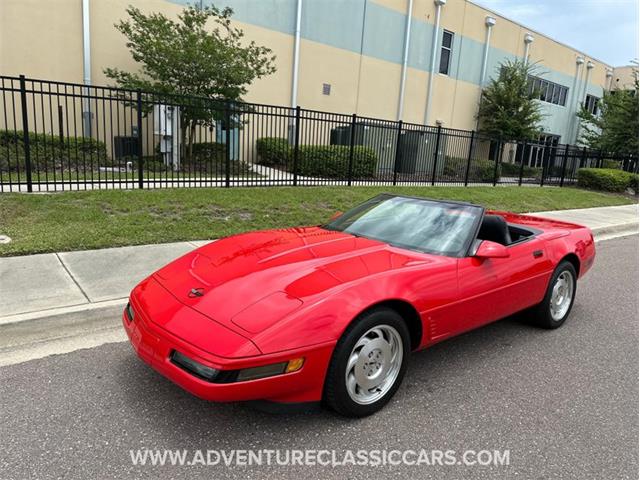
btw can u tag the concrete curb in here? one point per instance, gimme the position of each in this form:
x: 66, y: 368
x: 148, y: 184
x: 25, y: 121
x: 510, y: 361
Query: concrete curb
x: 63, y: 311
x: 61, y: 331
x: 612, y: 231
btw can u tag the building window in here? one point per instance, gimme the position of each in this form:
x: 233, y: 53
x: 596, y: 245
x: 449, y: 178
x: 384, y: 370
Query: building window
x: 544, y: 149
x: 548, y: 91
x: 445, y: 52
x: 326, y: 89
x: 591, y: 104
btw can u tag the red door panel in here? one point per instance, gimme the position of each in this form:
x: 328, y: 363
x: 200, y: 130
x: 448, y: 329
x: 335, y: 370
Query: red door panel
x: 494, y: 288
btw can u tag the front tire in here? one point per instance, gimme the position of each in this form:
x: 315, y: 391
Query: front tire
x: 368, y: 363
x: 558, y: 301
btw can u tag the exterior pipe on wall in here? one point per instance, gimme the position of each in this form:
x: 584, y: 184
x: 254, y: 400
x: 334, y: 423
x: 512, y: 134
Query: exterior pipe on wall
x: 489, y: 22
x: 572, y: 98
x: 434, y: 51
x: 86, y: 67
x: 609, y: 78
x: 581, y: 98
x: 528, y: 40
x: 296, y: 56
x: 405, y: 59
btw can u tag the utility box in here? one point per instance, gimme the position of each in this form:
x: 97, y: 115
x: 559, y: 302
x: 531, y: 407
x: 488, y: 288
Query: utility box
x: 416, y: 148
x: 166, y: 126
x: 380, y: 138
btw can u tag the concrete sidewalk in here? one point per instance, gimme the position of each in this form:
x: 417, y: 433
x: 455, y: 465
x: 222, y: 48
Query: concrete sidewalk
x: 57, y: 284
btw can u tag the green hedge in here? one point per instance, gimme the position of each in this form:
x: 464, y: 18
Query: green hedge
x: 607, y: 179
x: 48, y: 152
x: 207, y: 152
x: 273, y: 151
x: 332, y: 161
x: 607, y: 163
x: 479, y: 171
x: 513, y: 170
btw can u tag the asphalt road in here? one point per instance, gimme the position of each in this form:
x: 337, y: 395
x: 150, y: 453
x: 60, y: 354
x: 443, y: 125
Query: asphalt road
x: 564, y: 403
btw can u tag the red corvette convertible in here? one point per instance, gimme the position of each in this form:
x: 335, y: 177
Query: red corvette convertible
x: 332, y: 312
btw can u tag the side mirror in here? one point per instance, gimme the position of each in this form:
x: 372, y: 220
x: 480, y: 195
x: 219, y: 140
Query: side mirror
x: 489, y: 249
x: 335, y: 215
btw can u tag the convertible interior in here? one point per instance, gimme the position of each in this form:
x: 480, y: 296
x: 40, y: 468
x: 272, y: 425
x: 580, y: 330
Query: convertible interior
x: 496, y: 229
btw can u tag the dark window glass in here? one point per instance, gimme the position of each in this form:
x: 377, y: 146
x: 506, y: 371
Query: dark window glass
x: 444, y: 61
x: 548, y: 91
x: 556, y: 94
x: 445, y: 52
x: 591, y: 104
x: 543, y: 90
x: 563, y: 96
x: 447, y: 39
x: 549, y: 94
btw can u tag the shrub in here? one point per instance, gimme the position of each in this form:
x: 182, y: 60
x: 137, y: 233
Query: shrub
x: 607, y: 179
x: 607, y: 163
x: 273, y: 151
x: 513, y: 170
x: 332, y: 161
x: 48, y: 152
x: 479, y: 171
x: 208, y: 152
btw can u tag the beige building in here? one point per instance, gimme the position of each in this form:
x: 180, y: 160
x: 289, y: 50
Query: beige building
x: 422, y: 61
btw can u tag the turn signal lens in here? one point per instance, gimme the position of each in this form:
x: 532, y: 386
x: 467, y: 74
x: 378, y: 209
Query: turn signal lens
x: 294, y: 365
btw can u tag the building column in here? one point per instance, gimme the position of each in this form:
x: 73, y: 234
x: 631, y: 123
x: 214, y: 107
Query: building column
x: 434, y: 53
x: 405, y: 59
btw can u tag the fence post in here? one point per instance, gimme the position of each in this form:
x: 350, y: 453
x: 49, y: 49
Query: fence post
x: 495, y: 168
x: 296, y: 147
x: 583, y: 161
x: 435, y: 156
x: 61, y: 126
x: 352, y: 140
x: 522, y: 155
x: 469, y: 158
x: 25, y: 133
x: 227, y: 144
x: 564, y: 164
x: 544, y: 158
x: 140, y: 160
x: 600, y: 160
x: 397, y: 157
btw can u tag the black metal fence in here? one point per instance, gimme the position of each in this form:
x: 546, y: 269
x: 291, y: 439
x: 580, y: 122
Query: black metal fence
x: 58, y: 136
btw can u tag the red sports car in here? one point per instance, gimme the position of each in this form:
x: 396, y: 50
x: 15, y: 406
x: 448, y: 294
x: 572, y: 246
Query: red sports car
x: 332, y: 312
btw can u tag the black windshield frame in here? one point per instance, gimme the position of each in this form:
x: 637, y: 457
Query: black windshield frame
x: 335, y: 224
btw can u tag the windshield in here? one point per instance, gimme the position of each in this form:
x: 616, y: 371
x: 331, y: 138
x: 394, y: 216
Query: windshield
x: 413, y: 223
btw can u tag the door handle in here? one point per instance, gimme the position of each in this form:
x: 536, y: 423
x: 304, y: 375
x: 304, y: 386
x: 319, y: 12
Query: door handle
x: 537, y: 253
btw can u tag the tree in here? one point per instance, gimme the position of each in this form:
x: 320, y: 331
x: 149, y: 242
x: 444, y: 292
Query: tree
x: 614, y: 128
x: 192, y: 57
x: 508, y: 106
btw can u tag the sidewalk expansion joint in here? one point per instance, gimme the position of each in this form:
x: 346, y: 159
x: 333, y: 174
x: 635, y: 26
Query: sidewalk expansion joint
x: 73, y: 278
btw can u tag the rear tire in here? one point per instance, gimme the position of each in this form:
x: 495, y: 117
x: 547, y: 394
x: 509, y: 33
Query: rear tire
x: 558, y: 300
x: 368, y: 363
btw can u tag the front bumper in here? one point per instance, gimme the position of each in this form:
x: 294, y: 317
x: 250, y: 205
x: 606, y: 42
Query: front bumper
x: 155, y: 345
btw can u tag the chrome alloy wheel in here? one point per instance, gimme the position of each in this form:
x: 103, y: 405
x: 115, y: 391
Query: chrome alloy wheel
x: 561, y: 295
x: 374, y: 364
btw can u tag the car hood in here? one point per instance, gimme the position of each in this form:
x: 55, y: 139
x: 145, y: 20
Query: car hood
x: 252, y: 280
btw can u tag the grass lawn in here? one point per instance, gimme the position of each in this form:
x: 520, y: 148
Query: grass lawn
x: 97, y: 219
